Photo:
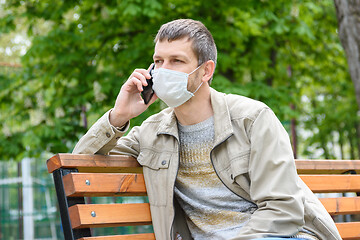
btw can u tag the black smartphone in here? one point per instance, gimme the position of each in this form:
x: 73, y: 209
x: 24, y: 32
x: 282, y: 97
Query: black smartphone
x: 148, y: 92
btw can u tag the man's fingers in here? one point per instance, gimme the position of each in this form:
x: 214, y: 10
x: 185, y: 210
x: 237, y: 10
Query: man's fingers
x: 141, y: 77
x: 144, y: 72
x: 133, y: 85
x: 137, y: 80
x: 138, y: 83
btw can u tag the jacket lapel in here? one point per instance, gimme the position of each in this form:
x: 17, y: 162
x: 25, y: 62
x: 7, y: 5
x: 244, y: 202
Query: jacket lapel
x: 222, y: 118
x: 168, y: 125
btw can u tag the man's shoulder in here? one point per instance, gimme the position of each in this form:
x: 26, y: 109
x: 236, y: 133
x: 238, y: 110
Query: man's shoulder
x: 243, y: 107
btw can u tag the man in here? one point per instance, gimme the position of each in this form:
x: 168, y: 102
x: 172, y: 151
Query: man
x: 216, y: 166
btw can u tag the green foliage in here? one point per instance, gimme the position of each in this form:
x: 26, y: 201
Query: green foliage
x: 285, y: 53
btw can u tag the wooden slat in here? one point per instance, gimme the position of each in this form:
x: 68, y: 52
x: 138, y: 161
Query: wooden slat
x: 94, y: 163
x: 341, y: 205
x: 349, y: 230
x: 104, y: 184
x: 143, y: 236
x: 326, y: 166
x: 109, y: 215
x: 332, y: 183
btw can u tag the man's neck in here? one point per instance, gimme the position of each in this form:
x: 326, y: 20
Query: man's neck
x: 197, y: 109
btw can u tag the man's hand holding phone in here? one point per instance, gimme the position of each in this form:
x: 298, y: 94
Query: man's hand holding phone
x: 148, y: 91
x: 131, y: 100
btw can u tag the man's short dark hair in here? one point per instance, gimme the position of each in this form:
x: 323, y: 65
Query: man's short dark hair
x: 203, y: 43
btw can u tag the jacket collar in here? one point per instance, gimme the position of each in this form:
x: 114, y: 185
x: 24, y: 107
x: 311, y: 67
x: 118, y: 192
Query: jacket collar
x: 222, y: 119
x: 168, y: 125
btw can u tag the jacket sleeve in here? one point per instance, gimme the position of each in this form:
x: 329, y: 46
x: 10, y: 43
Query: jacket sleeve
x: 274, y: 185
x: 103, y: 138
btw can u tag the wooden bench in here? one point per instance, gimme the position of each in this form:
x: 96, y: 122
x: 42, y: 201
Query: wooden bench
x: 77, y: 177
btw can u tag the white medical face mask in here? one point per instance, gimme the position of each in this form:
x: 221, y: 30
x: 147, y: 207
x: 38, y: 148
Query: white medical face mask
x: 171, y: 86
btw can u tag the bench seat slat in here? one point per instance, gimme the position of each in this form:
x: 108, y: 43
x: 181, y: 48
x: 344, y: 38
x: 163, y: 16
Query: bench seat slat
x: 109, y: 215
x: 326, y: 166
x: 94, y: 163
x: 332, y: 183
x: 349, y: 230
x: 144, y: 236
x: 104, y: 184
x: 341, y: 205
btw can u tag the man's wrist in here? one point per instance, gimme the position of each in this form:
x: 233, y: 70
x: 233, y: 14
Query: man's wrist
x: 116, y: 120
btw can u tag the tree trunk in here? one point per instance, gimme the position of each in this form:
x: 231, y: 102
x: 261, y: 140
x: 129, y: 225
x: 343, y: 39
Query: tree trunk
x: 352, y: 148
x: 348, y: 15
x: 357, y: 128
x: 272, y: 65
x: 322, y: 135
x: 341, y: 143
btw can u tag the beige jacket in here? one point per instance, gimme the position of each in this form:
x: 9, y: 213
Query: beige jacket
x: 252, y: 156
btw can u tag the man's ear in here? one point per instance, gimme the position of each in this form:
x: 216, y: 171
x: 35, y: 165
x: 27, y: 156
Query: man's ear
x: 209, y: 68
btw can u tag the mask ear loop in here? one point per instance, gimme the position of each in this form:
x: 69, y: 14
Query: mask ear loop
x: 200, y: 83
x: 195, y: 70
x: 198, y: 88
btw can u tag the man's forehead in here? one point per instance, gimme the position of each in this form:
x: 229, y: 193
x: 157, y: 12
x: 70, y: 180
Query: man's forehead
x: 181, y: 48
x: 183, y: 39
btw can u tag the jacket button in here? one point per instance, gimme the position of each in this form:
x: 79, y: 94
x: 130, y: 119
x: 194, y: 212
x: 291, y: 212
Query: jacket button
x: 108, y: 134
x: 163, y: 162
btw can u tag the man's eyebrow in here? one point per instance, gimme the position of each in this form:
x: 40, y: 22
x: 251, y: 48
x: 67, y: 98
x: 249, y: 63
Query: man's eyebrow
x: 172, y: 56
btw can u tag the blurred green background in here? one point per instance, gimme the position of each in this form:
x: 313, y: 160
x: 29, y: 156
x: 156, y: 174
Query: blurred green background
x: 62, y: 64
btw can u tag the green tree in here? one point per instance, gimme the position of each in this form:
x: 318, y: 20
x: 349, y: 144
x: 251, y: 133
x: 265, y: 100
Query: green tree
x: 279, y: 52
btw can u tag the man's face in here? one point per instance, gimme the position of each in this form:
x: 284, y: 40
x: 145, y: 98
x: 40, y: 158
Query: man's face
x: 175, y: 55
x: 178, y: 55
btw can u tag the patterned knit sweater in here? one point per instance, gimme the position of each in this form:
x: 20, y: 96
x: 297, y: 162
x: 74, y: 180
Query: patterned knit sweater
x: 212, y: 210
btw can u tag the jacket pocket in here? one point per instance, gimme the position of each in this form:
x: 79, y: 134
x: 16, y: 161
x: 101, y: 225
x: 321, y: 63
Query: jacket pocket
x: 156, y: 175
x: 239, y: 164
x: 235, y: 173
x: 154, y: 160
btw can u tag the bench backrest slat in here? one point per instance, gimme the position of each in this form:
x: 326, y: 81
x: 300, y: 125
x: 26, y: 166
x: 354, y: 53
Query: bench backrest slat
x: 349, y: 230
x: 143, y: 236
x: 341, y: 205
x: 332, y: 183
x: 109, y: 215
x: 104, y: 184
x: 327, y: 166
x: 94, y: 163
